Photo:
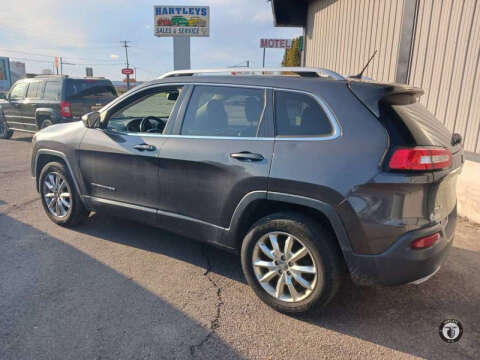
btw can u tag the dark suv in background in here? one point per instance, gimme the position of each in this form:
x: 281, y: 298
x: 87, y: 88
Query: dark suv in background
x: 309, y: 177
x: 35, y: 103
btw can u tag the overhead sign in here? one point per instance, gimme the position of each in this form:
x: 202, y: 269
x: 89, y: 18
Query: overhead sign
x: 181, y: 20
x: 276, y: 43
x: 127, y: 71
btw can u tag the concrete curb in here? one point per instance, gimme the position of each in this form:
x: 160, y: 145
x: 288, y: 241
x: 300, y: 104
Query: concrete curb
x: 468, y: 191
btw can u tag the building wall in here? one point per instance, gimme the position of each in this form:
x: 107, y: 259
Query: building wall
x: 445, y: 63
x: 341, y: 35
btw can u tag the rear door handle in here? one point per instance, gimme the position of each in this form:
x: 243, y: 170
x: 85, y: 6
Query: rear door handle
x: 144, y: 147
x: 246, y: 156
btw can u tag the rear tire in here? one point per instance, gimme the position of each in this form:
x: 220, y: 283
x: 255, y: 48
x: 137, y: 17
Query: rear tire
x: 319, y: 271
x: 59, y: 196
x: 46, y: 122
x: 5, y: 132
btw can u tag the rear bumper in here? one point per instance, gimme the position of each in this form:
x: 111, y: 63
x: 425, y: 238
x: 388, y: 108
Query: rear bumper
x: 400, y: 264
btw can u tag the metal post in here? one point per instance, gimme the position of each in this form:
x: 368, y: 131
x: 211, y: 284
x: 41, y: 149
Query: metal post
x: 264, y: 57
x: 61, y: 66
x: 181, y: 53
x: 126, y: 57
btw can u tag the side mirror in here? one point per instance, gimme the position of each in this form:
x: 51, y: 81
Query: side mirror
x: 91, y: 120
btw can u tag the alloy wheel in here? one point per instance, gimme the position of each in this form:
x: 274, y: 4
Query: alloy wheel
x: 285, y: 267
x: 57, y: 195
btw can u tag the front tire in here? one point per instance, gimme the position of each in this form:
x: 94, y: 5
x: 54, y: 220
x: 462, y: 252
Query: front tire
x: 5, y: 132
x: 60, y: 199
x: 291, y: 262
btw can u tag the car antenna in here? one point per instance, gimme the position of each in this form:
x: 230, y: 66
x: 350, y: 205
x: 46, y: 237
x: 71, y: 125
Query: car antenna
x: 359, y: 76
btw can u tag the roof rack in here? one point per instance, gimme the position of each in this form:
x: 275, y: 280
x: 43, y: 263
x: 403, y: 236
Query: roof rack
x: 300, y: 71
x: 50, y: 76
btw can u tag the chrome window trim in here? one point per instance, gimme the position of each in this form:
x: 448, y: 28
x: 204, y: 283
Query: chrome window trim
x: 337, y: 130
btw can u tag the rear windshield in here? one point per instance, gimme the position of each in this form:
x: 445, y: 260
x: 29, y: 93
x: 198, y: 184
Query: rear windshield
x: 89, y: 89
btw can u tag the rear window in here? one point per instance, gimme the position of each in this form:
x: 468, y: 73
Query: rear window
x: 34, y: 90
x: 53, y: 90
x: 89, y: 89
x: 300, y: 115
x: 224, y: 111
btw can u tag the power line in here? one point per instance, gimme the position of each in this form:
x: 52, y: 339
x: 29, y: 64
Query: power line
x: 45, y: 55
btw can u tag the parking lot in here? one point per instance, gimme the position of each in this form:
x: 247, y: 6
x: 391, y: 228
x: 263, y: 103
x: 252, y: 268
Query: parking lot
x: 115, y: 289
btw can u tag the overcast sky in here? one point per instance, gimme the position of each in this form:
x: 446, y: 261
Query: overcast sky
x: 90, y: 31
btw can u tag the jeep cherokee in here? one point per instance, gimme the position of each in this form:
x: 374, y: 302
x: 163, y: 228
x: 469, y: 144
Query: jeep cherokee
x: 310, y: 178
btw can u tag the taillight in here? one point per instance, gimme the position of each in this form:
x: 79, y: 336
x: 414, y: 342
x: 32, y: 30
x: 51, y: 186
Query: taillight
x: 425, y: 242
x: 419, y: 158
x: 65, y: 109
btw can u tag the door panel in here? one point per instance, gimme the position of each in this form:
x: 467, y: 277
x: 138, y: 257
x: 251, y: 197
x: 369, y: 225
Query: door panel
x: 216, y: 156
x: 12, y: 112
x: 198, y: 178
x: 120, y: 163
x: 114, y: 169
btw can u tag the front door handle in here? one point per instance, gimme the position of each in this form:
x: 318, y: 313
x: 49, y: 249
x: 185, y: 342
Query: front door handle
x: 144, y: 147
x: 246, y: 156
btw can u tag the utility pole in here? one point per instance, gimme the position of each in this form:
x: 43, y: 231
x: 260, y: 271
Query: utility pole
x: 125, y: 45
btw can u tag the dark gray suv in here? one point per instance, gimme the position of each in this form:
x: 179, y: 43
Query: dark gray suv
x: 310, y: 177
x: 38, y: 102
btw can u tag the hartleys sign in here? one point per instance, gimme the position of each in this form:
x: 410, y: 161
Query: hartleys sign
x: 276, y: 43
x: 181, y: 20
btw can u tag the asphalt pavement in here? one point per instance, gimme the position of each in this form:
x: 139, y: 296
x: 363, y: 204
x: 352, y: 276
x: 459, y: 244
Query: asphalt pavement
x: 115, y: 289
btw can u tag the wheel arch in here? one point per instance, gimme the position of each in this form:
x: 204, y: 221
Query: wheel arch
x: 42, y: 113
x: 259, y: 204
x: 43, y: 157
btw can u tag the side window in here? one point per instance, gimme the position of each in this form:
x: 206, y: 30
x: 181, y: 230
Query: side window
x: 224, y: 111
x: 300, y: 115
x: 34, y: 90
x: 18, y: 91
x: 148, y: 113
x: 53, y: 90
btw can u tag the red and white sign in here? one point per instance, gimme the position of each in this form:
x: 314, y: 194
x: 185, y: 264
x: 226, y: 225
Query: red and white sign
x: 127, y: 71
x: 276, y: 43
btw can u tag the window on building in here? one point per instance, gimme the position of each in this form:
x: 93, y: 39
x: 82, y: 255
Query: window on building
x: 300, y: 115
x: 224, y: 111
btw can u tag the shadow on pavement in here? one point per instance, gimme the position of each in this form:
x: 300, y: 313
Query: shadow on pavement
x: 407, y: 318
x: 404, y: 318
x: 149, y: 238
x: 24, y: 137
x: 58, y: 302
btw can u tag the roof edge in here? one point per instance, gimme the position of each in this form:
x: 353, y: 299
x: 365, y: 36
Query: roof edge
x: 287, y: 13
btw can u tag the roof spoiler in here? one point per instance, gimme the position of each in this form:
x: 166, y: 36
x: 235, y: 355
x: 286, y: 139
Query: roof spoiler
x: 371, y: 94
